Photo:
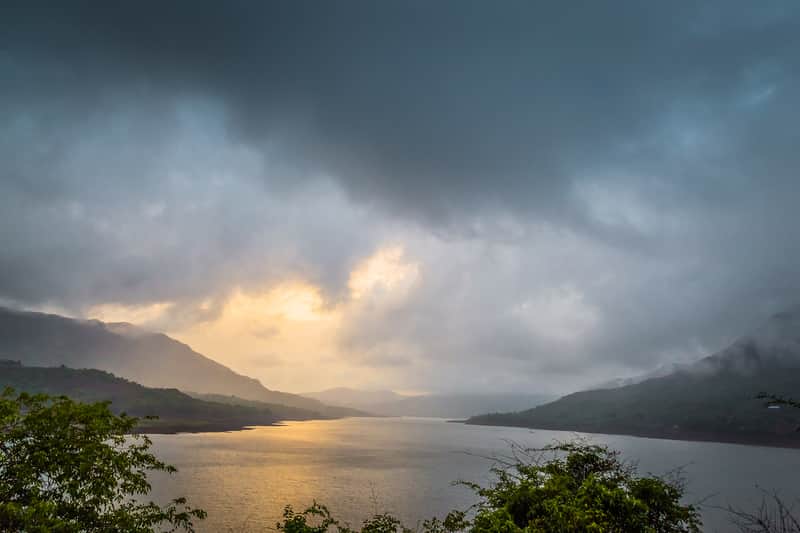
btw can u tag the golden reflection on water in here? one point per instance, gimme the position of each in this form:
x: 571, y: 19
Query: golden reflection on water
x: 244, y: 479
x: 405, y: 466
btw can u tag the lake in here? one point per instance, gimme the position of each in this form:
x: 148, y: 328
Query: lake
x: 359, y: 466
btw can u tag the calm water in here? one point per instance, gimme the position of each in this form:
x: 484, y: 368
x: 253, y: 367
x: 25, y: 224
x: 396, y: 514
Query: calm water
x: 406, y: 466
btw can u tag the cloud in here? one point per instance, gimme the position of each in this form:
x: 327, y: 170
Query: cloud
x: 578, y: 190
x: 433, y: 109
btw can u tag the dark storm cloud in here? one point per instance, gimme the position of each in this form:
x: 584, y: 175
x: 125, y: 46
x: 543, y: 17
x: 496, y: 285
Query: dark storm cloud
x: 433, y: 107
x: 635, y: 161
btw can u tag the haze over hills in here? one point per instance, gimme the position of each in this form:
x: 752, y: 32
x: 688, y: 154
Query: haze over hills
x: 357, y: 398
x: 712, y: 399
x: 151, y: 359
x: 391, y: 403
x: 658, y: 372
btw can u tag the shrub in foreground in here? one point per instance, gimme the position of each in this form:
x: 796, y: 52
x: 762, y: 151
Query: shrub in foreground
x: 560, y: 488
x: 67, y: 467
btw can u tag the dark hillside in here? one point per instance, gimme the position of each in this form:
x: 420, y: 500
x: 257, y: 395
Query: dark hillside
x: 176, y: 410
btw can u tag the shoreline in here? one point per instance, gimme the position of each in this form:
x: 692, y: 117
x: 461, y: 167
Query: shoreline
x: 767, y: 441
x: 220, y: 427
x: 175, y: 429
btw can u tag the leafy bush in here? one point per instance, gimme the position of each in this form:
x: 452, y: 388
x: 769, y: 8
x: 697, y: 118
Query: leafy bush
x: 564, y: 487
x: 67, y: 466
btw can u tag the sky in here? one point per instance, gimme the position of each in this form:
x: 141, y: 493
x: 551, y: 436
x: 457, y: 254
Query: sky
x: 423, y: 196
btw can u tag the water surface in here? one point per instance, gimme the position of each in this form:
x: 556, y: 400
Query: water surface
x: 360, y: 466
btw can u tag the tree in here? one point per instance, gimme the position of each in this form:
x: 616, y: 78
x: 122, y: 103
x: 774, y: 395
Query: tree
x: 579, y: 487
x: 67, y: 466
x: 564, y: 487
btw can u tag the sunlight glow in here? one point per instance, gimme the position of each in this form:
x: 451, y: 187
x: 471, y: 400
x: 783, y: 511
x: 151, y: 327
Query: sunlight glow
x: 294, y: 301
x: 383, y: 272
x: 134, y: 314
x: 289, y: 335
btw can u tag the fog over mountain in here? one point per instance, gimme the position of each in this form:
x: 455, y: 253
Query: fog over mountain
x: 715, y: 398
x: 446, y: 197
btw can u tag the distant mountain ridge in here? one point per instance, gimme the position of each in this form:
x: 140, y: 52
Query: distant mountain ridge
x: 712, y: 399
x: 151, y: 359
x: 348, y: 397
x: 390, y: 403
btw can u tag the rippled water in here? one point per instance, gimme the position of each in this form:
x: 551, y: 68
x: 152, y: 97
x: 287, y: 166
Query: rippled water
x: 359, y: 466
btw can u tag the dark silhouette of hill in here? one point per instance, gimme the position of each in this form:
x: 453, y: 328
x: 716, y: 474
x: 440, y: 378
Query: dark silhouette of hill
x: 713, y: 399
x: 175, y: 410
x: 152, y: 359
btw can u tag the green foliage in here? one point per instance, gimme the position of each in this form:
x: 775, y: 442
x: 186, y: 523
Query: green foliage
x: 578, y: 487
x: 67, y: 466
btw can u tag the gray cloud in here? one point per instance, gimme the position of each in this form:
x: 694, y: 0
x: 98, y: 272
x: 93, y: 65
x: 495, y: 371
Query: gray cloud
x: 625, y: 170
x: 434, y: 108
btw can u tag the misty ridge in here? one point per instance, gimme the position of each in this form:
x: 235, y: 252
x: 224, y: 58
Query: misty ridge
x: 715, y: 398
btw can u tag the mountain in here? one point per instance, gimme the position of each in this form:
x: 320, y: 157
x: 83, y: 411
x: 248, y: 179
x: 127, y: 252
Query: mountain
x: 176, y: 410
x: 390, y: 403
x: 361, y: 399
x: 283, y: 412
x: 713, y: 399
x: 152, y: 359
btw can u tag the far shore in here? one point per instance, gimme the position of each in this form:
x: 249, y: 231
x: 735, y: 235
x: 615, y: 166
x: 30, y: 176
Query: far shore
x: 174, y: 429
x: 773, y: 441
